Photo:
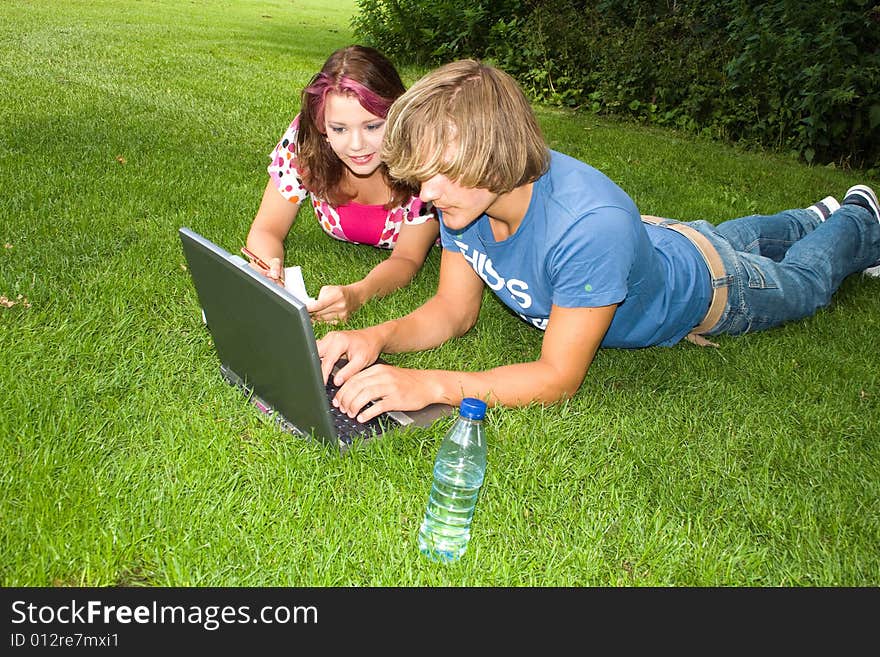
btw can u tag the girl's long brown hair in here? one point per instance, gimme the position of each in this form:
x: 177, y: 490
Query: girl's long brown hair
x: 366, y: 74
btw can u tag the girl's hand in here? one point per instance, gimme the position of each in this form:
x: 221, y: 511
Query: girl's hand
x: 276, y: 271
x: 335, y: 303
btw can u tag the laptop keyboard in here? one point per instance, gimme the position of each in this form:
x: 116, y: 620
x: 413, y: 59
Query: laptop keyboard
x: 349, y: 428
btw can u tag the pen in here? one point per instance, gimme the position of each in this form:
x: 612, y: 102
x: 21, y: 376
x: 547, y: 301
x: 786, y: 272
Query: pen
x: 255, y: 258
x: 260, y: 263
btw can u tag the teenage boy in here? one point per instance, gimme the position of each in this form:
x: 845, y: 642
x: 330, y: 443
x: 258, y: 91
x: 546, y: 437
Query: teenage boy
x: 566, y: 249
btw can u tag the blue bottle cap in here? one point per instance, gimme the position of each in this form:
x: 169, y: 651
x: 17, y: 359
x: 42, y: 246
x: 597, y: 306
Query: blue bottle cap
x: 473, y: 409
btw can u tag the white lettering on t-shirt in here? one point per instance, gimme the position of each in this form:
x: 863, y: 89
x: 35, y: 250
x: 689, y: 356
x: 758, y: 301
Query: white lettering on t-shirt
x: 471, y: 258
x: 488, y: 273
x: 517, y: 290
x: 482, y: 264
x: 537, y: 322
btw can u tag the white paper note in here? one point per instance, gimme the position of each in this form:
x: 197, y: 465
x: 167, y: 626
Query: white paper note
x: 293, y: 283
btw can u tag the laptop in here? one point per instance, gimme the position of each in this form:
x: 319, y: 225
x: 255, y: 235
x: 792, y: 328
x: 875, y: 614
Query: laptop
x: 264, y: 340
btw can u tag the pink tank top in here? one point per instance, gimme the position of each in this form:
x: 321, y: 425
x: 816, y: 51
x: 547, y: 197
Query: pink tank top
x: 352, y: 222
x: 362, y: 223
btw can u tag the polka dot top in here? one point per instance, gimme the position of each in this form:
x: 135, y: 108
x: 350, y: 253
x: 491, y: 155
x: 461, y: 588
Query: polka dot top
x: 352, y: 222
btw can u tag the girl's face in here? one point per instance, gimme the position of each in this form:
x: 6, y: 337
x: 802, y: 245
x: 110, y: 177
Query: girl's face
x: 354, y: 134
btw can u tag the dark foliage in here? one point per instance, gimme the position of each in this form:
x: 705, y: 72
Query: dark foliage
x: 801, y: 77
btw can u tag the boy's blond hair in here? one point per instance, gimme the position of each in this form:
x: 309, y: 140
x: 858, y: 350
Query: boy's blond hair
x: 469, y: 122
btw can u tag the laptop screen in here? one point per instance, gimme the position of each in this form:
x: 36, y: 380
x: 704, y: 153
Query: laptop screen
x: 262, y: 334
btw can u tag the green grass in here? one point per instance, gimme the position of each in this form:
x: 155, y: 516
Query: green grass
x: 126, y: 460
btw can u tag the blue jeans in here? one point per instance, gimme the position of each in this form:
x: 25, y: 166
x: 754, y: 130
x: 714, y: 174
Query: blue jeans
x: 785, y: 266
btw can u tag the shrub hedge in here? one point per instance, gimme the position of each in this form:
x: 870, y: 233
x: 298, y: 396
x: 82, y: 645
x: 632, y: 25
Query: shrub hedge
x: 802, y: 77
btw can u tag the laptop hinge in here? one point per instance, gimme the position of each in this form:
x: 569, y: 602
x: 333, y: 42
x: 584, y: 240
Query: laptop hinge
x: 401, y: 418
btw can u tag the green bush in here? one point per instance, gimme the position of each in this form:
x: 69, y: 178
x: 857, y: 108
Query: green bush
x: 429, y: 32
x: 793, y: 76
x: 807, y: 76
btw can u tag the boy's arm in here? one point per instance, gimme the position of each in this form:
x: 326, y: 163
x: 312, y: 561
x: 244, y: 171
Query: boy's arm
x: 451, y: 312
x: 570, y: 343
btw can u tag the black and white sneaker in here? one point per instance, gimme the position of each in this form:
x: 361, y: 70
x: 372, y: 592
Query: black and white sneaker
x: 864, y: 196
x: 825, y: 208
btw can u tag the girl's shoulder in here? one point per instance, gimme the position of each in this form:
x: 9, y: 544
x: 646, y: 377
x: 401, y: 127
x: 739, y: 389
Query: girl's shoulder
x: 416, y: 210
x: 283, y: 168
x: 288, y: 140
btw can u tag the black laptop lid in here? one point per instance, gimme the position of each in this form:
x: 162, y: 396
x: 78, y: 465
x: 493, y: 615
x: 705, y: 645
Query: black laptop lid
x: 262, y: 333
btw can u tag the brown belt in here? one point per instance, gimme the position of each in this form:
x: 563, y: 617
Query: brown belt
x: 713, y: 262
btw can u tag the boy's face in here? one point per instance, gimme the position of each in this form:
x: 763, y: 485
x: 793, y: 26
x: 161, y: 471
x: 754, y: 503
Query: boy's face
x: 459, y: 206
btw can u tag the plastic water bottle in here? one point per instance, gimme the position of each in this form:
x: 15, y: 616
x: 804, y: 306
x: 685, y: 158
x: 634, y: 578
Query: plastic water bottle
x: 458, y: 475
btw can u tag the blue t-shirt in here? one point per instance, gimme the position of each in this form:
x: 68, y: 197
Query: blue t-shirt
x: 582, y: 244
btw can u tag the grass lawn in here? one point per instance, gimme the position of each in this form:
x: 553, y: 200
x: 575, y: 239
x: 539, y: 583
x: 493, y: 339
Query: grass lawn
x: 127, y: 461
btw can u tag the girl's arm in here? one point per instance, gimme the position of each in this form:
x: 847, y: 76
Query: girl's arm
x: 269, y: 228
x: 338, y: 302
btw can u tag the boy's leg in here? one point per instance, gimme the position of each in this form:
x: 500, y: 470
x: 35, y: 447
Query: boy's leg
x: 770, y: 292
x: 772, y: 235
